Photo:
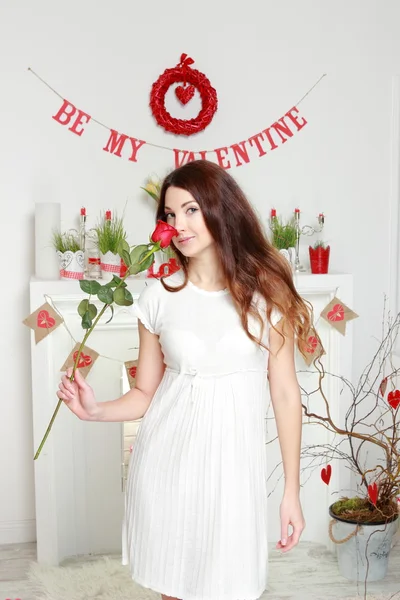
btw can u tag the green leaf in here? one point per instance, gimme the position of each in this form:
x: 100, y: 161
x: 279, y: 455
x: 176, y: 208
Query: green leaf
x: 89, y: 287
x: 86, y: 321
x: 123, y: 246
x: 119, y: 296
x: 138, y: 252
x: 128, y: 298
x: 110, y: 284
x: 105, y: 294
x: 126, y: 257
x: 113, y: 284
x: 112, y: 314
x: 123, y: 297
x: 136, y: 268
x: 83, y: 306
x: 117, y: 280
x: 92, y: 309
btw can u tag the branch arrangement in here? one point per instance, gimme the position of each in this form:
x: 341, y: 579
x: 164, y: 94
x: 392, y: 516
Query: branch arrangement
x: 372, y: 419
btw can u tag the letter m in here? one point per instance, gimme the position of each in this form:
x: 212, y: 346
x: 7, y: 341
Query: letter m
x: 115, y: 142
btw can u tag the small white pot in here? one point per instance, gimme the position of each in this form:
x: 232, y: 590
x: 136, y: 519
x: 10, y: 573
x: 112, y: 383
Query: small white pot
x: 110, y: 265
x: 289, y: 254
x: 72, y: 264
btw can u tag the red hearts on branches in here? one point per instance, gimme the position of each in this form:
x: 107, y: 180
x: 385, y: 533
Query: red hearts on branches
x: 84, y: 360
x: 394, y: 399
x: 183, y: 73
x: 326, y: 474
x: 44, y: 320
x: 337, y: 313
x: 373, y: 493
x: 184, y: 94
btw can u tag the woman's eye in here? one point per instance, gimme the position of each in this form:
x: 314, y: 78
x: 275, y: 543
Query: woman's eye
x: 168, y: 215
x: 193, y: 208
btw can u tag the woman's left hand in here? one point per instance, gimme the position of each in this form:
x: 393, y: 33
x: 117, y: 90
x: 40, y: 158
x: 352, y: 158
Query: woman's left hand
x: 291, y: 514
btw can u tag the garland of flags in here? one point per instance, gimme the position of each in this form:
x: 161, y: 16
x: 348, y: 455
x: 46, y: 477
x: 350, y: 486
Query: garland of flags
x: 131, y: 147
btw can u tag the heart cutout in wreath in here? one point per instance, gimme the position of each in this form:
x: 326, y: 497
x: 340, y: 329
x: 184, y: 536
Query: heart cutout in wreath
x: 184, y: 94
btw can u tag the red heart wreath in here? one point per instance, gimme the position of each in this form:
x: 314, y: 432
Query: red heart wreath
x: 183, y: 73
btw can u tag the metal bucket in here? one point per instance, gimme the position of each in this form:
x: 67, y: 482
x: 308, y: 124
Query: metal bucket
x: 362, y: 549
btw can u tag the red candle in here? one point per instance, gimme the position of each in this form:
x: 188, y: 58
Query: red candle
x: 83, y: 211
x: 108, y: 215
x: 273, y: 212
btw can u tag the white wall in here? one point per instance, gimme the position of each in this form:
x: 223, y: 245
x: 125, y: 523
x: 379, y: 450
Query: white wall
x: 261, y: 56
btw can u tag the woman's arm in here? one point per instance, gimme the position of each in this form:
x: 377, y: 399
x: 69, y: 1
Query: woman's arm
x: 286, y: 401
x: 150, y: 369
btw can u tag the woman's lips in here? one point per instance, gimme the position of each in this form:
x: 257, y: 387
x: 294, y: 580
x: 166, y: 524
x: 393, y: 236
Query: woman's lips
x: 185, y: 240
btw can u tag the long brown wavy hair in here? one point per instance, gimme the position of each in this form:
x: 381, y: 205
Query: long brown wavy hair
x: 249, y: 261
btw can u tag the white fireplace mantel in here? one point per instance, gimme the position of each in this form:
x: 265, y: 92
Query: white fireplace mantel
x: 78, y: 491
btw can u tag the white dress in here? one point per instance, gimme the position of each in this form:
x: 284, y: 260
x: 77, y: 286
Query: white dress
x: 195, y: 523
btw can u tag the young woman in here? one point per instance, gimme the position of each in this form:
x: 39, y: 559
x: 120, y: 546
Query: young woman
x: 210, y: 336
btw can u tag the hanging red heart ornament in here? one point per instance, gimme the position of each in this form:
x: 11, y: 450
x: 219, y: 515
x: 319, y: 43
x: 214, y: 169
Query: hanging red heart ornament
x: 326, y: 474
x: 183, y: 73
x: 184, y: 94
x: 394, y: 399
x: 373, y: 493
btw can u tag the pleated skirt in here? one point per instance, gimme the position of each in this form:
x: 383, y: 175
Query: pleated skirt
x: 195, y: 524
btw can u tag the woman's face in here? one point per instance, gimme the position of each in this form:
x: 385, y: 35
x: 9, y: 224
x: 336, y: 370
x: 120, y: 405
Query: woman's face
x: 184, y: 213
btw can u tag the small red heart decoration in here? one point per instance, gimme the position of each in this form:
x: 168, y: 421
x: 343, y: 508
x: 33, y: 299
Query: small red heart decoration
x: 84, y: 360
x: 132, y: 372
x: 394, y: 399
x: 184, y: 94
x: 337, y: 313
x: 373, y: 493
x: 312, y: 344
x: 326, y: 474
x: 44, y: 320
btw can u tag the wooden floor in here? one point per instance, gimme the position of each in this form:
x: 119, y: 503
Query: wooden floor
x: 308, y: 572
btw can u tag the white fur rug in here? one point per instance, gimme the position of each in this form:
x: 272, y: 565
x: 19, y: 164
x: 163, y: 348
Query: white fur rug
x: 106, y: 579
x: 103, y: 579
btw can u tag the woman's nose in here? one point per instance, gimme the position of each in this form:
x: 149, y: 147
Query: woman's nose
x: 179, y: 222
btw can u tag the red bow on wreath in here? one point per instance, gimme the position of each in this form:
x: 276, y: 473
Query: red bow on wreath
x: 186, y: 61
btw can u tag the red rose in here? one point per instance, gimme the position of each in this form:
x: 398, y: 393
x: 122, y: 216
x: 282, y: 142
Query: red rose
x: 163, y: 233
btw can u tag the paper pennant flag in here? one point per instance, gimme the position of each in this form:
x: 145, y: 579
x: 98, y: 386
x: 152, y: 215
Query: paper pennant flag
x: 43, y: 321
x: 86, y: 360
x: 338, y: 314
x: 315, y: 349
x: 130, y: 367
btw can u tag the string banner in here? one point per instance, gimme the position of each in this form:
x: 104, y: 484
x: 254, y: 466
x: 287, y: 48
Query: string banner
x: 86, y: 360
x: 337, y: 314
x: 131, y: 367
x: 129, y: 147
x: 43, y: 321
